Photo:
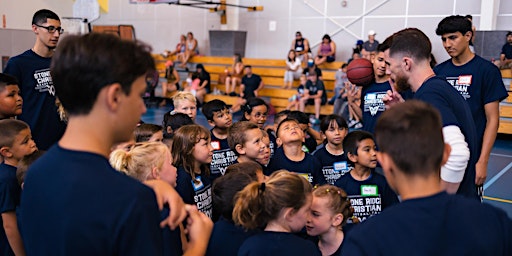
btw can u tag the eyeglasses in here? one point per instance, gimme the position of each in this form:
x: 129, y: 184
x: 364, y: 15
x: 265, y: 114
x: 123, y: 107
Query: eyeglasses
x: 51, y: 29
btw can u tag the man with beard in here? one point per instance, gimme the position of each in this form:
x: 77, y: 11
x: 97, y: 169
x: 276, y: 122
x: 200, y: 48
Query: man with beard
x: 407, y: 62
x: 32, y: 69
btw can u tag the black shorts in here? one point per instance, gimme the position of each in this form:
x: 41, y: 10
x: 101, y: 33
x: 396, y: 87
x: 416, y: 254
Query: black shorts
x: 312, y: 102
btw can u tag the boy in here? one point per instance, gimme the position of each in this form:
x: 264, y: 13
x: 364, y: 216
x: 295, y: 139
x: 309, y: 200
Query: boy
x: 71, y: 193
x: 311, y: 137
x: 15, y: 143
x: 218, y: 115
x: 10, y: 98
x: 477, y: 80
x: 314, y: 94
x: 290, y: 155
x: 32, y: 69
x: 428, y: 221
x: 340, y: 78
x: 246, y: 140
x: 368, y: 190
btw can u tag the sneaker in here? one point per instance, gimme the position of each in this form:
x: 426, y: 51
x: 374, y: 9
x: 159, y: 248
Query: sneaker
x: 314, y: 121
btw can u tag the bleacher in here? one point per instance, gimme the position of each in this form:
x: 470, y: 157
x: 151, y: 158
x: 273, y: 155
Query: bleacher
x: 272, y: 74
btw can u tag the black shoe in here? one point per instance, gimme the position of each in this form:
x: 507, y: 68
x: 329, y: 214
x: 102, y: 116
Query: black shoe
x: 233, y: 94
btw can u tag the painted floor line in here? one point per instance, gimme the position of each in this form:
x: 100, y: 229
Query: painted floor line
x: 497, y: 176
x: 495, y: 154
x: 498, y: 199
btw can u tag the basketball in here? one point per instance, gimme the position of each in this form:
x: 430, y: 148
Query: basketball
x: 360, y: 72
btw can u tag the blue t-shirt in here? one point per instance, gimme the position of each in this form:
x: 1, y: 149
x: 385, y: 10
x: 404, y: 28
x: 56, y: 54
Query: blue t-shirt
x: 333, y: 166
x: 251, y: 84
x: 75, y: 203
x: 222, y: 157
x: 309, y: 167
x: 479, y: 82
x: 227, y: 238
x: 197, y: 192
x: 172, y: 245
x: 372, y: 105
x: 507, y: 50
x: 9, y: 200
x: 314, y: 88
x: 440, y: 224
x: 277, y: 243
x: 454, y: 111
x: 38, y: 93
x: 368, y: 197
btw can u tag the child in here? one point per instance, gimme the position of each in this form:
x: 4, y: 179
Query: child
x: 218, y: 115
x: 151, y: 161
x: 290, y: 155
x: 251, y: 168
x: 267, y: 152
x: 340, y: 77
x: 295, y: 99
x: 256, y: 111
x: 314, y: 94
x: 246, y: 140
x: 227, y: 237
x: 185, y: 102
x: 332, y: 157
x: 330, y: 210
x: 15, y: 143
x: 192, y: 153
x: 10, y: 97
x: 368, y: 190
x: 312, y: 138
x: 149, y: 133
x: 194, y: 86
x: 280, y: 206
x: 172, y: 121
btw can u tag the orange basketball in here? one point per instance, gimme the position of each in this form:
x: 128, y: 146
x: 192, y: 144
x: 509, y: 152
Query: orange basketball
x: 360, y: 72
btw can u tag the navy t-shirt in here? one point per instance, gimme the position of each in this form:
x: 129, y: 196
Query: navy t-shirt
x: 251, y: 84
x: 309, y: 167
x: 333, y: 166
x: 9, y: 200
x: 197, y: 192
x: 172, y: 245
x: 222, y: 157
x: 507, y: 50
x: 454, y: 111
x: 372, y: 105
x: 38, y: 93
x: 75, y: 203
x: 479, y: 82
x: 277, y: 243
x: 227, y: 238
x: 368, y: 197
x: 440, y: 224
x: 314, y: 88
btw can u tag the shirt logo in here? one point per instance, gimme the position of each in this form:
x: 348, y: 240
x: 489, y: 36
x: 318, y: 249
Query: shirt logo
x: 215, y: 145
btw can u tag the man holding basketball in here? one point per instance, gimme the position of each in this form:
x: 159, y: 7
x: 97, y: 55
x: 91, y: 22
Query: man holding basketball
x: 408, y: 64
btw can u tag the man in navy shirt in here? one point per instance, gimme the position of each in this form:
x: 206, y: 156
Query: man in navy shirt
x: 506, y: 52
x: 408, y: 63
x: 477, y: 80
x: 428, y: 221
x: 251, y: 84
x: 32, y: 69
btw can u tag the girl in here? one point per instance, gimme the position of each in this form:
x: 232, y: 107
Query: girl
x: 171, y: 122
x: 293, y: 69
x: 235, y: 77
x: 330, y: 210
x: 151, y: 161
x: 255, y: 111
x: 280, y: 206
x: 149, y: 133
x: 185, y: 102
x: 192, y: 153
x: 171, y: 84
x: 332, y: 157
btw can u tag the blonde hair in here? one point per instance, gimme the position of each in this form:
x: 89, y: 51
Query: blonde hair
x: 338, y: 200
x: 140, y: 160
x: 183, y: 96
x: 259, y: 203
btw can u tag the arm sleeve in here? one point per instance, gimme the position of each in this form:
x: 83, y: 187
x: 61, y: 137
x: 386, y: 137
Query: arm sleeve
x: 453, y: 170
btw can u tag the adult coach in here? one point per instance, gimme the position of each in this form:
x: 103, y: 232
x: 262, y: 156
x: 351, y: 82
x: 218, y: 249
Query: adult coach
x: 408, y: 63
x: 32, y: 69
x: 477, y: 80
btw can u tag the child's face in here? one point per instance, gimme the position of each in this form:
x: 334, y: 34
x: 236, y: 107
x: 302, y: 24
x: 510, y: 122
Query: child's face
x: 157, y: 137
x: 258, y: 115
x: 187, y: 107
x: 366, y: 154
x: 203, y: 151
x: 10, y: 101
x: 320, y: 219
x: 335, y: 134
x: 222, y: 119
x: 290, y: 132
x: 253, y: 148
x: 23, y: 145
x: 300, y: 217
x: 266, y: 152
x: 303, y: 80
x: 168, y: 171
